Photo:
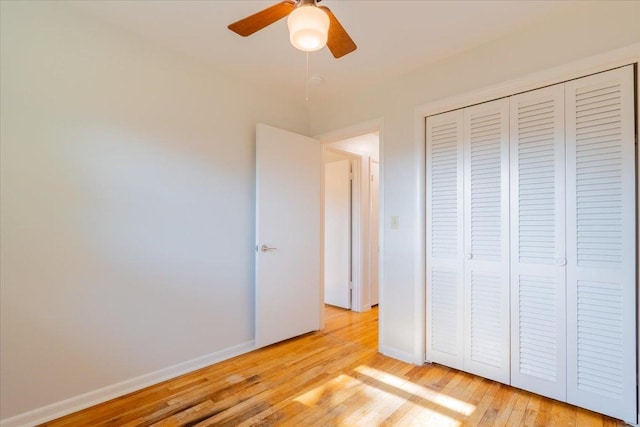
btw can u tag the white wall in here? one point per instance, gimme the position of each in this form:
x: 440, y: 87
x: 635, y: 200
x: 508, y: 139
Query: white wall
x: 127, y: 215
x: 592, y: 28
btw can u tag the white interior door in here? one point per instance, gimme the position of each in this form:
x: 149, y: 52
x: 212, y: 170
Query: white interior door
x: 486, y: 240
x: 374, y: 232
x: 445, y: 280
x: 287, y: 286
x: 538, y: 254
x: 601, y: 244
x: 337, y: 233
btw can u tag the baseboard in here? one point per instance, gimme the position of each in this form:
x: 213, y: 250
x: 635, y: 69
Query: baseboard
x: 362, y: 309
x: 77, y: 403
x: 398, y: 354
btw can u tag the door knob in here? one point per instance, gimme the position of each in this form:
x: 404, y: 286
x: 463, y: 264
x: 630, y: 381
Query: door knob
x: 265, y: 248
x: 469, y: 255
x: 561, y: 261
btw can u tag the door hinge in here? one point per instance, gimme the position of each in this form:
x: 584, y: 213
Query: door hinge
x: 350, y: 176
x: 350, y: 285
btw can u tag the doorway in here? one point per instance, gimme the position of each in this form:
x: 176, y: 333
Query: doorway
x: 351, y: 222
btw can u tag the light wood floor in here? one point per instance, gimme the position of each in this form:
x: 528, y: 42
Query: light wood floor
x: 333, y: 377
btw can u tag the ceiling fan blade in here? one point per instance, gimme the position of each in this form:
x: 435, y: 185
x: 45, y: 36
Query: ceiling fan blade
x: 249, y: 25
x: 339, y: 42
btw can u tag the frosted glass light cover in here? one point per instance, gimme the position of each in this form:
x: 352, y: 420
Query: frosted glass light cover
x: 308, y: 28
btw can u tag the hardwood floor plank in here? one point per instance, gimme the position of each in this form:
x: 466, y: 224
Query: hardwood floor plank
x: 331, y: 377
x: 563, y: 414
x: 531, y: 411
x: 499, y: 410
x: 544, y: 413
x: 519, y: 408
x: 188, y: 415
x: 490, y: 388
x: 586, y: 418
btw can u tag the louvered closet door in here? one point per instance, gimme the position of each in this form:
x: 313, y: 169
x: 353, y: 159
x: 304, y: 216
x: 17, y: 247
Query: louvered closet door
x: 444, y: 239
x: 538, y: 312
x: 486, y: 240
x: 601, y: 273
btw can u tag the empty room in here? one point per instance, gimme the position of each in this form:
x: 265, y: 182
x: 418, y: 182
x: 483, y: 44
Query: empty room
x: 319, y: 212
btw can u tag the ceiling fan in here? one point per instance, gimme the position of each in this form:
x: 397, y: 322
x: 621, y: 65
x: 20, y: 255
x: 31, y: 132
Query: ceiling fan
x: 311, y: 27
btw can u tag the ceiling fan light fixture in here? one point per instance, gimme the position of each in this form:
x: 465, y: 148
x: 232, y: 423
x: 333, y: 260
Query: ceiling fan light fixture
x: 308, y: 27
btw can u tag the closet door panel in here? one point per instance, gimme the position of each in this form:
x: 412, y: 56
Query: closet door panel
x: 444, y: 239
x: 486, y: 240
x: 601, y: 247
x: 538, y: 286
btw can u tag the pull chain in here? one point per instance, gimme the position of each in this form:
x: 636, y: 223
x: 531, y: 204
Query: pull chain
x: 307, y: 78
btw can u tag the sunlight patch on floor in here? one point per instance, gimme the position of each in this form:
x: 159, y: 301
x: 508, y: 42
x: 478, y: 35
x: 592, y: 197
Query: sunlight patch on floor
x: 312, y: 397
x: 440, y: 399
x: 381, y: 394
x: 376, y: 404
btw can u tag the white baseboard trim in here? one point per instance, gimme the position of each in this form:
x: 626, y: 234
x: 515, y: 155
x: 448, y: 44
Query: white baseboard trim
x: 77, y: 403
x: 398, y: 354
x: 363, y: 308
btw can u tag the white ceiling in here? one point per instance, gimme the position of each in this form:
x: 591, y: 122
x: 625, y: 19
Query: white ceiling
x: 393, y: 37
